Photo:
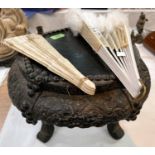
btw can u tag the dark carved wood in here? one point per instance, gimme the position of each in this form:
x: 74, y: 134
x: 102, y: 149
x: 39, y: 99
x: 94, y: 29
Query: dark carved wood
x: 46, y: 132
x: 138, y: 38
x: 42, y: 95
x: 115, y: 130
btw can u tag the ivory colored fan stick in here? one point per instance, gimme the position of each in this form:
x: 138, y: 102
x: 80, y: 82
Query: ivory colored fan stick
x: 94, y: 40
x: 37, y: 48
x: 112, y: 43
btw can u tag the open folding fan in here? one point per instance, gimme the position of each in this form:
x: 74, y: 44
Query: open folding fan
x: 112, y: 42
x: 37, y: 48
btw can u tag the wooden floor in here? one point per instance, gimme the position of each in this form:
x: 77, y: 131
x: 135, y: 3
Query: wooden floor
x: 4, y: 103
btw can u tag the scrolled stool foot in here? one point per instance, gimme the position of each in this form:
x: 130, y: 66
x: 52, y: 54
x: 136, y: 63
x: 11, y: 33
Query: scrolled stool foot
x: 115, y: 130
x: 45, y: 133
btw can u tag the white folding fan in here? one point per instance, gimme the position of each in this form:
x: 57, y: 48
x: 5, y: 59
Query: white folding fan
x: 112, y: 42
x: 37, y: 48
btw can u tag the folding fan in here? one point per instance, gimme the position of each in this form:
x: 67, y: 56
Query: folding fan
x: 37, y: 48
x: 112, y: 42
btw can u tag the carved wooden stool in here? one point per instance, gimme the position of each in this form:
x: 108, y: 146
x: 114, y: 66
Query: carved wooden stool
x: 42, y: 95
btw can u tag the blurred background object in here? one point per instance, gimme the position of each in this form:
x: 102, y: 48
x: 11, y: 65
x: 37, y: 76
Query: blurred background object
x: 13, y: 23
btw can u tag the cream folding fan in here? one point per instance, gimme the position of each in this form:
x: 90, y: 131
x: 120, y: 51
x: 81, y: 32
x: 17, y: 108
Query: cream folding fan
x: 113, y: 45
x: 37, y: 48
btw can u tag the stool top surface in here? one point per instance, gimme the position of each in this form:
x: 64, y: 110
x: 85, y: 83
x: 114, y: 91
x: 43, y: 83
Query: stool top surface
x: 78, y: 52
x: 81, y: 55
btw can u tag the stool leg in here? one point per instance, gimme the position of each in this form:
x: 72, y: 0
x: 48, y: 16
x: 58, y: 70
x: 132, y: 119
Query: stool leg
x: 46, y: 132
x: 115, y: 130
